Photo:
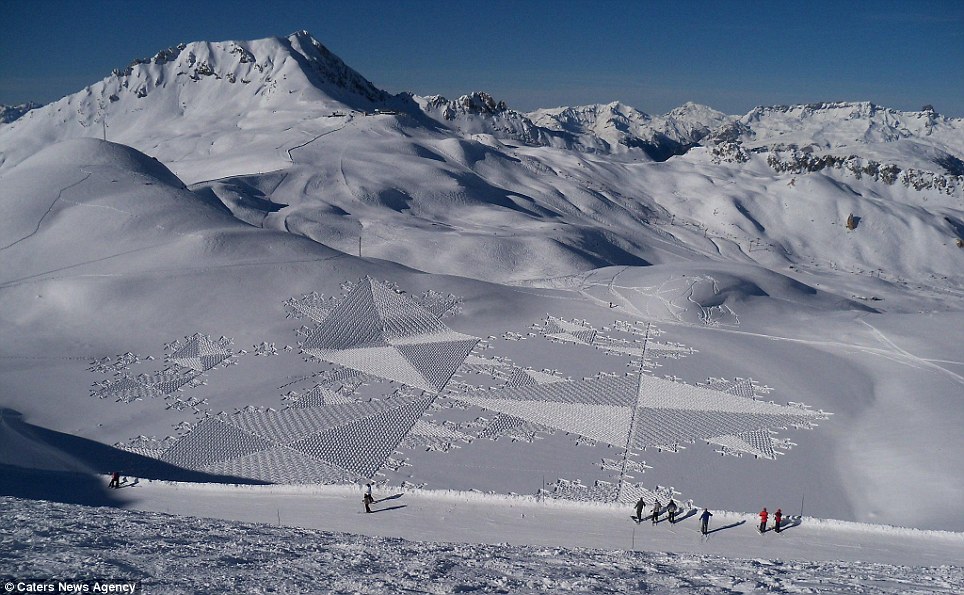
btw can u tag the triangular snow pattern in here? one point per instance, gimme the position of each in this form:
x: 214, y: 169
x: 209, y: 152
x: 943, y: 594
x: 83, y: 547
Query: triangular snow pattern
x: 169, y: 381
x: 436, y: 362
x: 401, y: 316
x: 212, y: 441
x: 563, y: 330
x: 383, y: 362
x: 658, y: 393
x: 200, y: 353
x: 509, y: 425
x: 740, y: 388
x: 605, y: 423
x: 669, y: 427
x: 318, y: 396
x: 544, y: 377
x: 363, y: 445
x: 374, y: 326
x: 282, y: 464
x: 129, y: 389
x: 756, y: 443
x: 352, y: 323
x: 291, y: 425
x: 619, y: 391
x: 519, y: 379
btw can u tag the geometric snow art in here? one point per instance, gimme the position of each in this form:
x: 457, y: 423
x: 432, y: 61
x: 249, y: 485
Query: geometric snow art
x: 637, y: 410
x: 348, y: 424
x: 201, y: 353
x: 380, y: 332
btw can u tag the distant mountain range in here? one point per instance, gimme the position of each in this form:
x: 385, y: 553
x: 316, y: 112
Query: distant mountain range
x: 265, y: 72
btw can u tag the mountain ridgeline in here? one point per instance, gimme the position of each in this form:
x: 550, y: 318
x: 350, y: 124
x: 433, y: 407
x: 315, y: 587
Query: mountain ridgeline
x: 264, y: 71
x: 285, y: 135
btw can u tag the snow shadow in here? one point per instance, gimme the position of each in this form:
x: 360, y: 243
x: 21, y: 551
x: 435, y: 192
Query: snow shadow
x: 43, y: 464
x: 395, y: 497
x: 725, y: 527
x: 789, y: 522
x: 396, y: 507
x: 681, y: 518
x: 57, y: 486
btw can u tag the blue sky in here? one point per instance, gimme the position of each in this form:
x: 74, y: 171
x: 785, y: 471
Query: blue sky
x: 651, y: 55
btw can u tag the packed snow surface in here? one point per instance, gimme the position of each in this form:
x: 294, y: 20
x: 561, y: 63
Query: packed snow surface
x: 465, y: 543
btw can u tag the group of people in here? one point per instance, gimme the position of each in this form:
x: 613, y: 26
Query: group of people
x: 777, y: 519
x: 672, y: 508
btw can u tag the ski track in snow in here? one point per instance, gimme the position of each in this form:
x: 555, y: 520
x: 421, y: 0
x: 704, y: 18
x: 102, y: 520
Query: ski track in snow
x: 47, y: 212
x: 170, y: 554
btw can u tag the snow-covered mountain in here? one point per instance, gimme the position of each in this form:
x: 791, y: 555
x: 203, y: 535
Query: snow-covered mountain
x: 923, y: 140
x: 193, y: 94
x: 272, y: 270
x: 9, y: 113
x: 617, y: 128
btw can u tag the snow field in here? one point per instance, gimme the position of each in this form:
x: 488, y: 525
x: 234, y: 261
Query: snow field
x: 173, y: 554
x: 465, y: 540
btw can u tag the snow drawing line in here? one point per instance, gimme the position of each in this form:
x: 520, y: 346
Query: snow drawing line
x: 398, y: 387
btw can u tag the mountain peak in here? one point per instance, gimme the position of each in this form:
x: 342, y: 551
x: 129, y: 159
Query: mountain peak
x: 269, y: 62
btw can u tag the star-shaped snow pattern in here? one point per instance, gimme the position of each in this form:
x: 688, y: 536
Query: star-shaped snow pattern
x: 637, y: 410
x: 381, y: 332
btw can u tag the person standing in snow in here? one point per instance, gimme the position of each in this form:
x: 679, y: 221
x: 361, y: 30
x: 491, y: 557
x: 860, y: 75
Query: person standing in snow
x: 777, y: 517
x: 656, y: 509
x: 763, y: 520
x: 639, y: 509
x: 705, y: 520
x: 671, y: 511
x: 114, y: 480
x: 368, y: 499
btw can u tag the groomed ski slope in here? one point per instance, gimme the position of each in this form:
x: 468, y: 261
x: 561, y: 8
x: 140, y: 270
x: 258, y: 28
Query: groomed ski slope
x: 316, y: 539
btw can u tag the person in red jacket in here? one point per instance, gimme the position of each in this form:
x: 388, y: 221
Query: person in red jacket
x: 763, y: 520
x: 777, y: 517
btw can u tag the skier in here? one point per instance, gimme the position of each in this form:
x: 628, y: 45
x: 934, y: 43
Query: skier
x: 367, y: 499
x: 671, y: 511
x: 763, y: 520
x: 114, y: 480
x: 639, y: 509
x: 777, y: 517
x: 656, y: 509
x: 705, y: 520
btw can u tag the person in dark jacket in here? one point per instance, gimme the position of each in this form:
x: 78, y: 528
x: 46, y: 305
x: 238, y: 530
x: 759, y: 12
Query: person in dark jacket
x: 639, y: 509
x: 114, y: 480
x: 705, y: 520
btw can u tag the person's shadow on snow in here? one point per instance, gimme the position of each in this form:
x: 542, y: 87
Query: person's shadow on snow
x: 789, y: 522
x: 395, y: 497
x: 688, y: 514
x: 724, y: 527
x: 390, y: 508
